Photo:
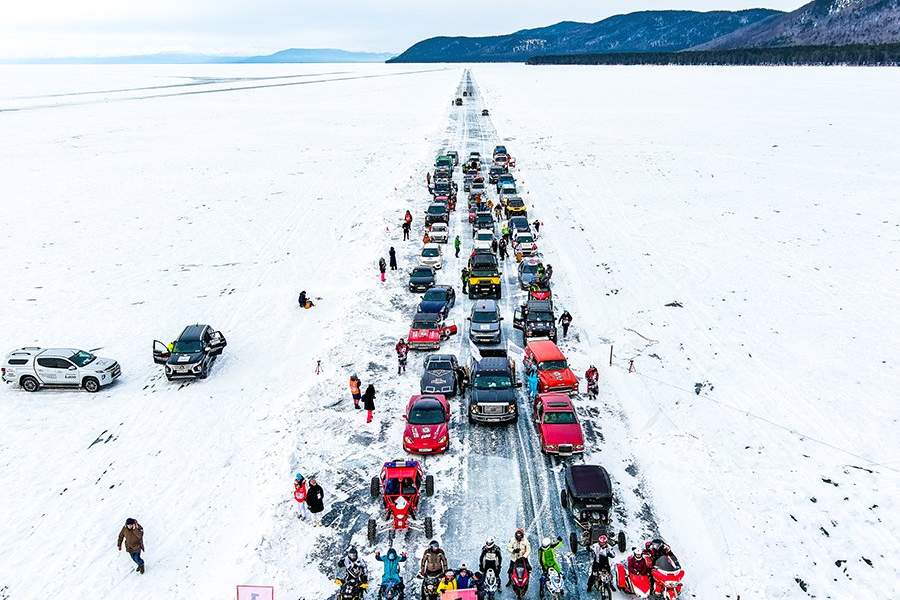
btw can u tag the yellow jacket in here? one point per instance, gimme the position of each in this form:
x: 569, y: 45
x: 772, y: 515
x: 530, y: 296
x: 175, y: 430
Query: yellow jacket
x: 444, y: 585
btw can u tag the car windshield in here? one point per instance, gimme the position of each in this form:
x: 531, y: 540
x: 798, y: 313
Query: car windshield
x: 516, y: 202
x: 559, y: 418
x: 553, y: 365
x: 478, y: 184
x: 82, y: 358
x: 435, y: 295
x: 426, y: 414
x: 539, y: 315
x: 440, y: 365
x: 424, y: 325
x: 524, y: 239
x: 484, y: 316
x: 485, y: 237
x: 421, y: 273
x: 436, y: 209
x: 530, y: 269
x: 430, y: 252
x: 492, y: 381
x: 188, y: 346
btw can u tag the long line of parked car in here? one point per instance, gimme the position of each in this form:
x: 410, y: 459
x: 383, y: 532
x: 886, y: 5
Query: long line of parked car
x: 491, y: 394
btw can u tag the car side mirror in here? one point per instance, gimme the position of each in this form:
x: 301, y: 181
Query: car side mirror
x: 72, y: 367
x: 207, y: 348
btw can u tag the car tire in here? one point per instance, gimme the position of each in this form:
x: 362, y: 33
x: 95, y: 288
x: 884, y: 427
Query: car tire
x: 90, y: 384
x: 564, y: 498
x: 374, y: 487
x: 573, y: 541
x: 621, y: 541
x: 429, y: 527
x: 429, y: 485
x: 370, y: 531
x: 29, y: 384
x: 204, y: 372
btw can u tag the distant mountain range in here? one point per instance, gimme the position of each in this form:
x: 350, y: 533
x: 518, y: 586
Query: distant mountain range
x: 291, y: 55
x: 666, y: 30
x: 821, y: 22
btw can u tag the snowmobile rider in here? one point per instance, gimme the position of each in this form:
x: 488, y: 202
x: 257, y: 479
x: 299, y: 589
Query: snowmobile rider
x: 491, y: 557
x: 434, y: 561
x: 304, y: 301
x: 354, y: 567
x: 592, y: 375
x: 391, y: 573
x: 518, y: 548
x: 464, y: 578
x: 547, y: 554
x: 447, y: 582
x: 601, y: 552
x: 636, y: 563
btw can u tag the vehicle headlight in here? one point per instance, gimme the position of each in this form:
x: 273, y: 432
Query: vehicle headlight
x: 408, y: 440
x: 168, y: 369
x: 430, y: 389
x: 196, y: 368
x: 442, y: 439
x: 579, y: 446
x: 474, y: 408
x: 511, y: 408
x: 551, y: 446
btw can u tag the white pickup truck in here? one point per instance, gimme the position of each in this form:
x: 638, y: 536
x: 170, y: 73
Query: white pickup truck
x: 33, y: 368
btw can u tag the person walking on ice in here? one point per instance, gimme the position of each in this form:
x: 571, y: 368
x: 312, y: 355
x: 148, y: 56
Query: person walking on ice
x: 132, y: 534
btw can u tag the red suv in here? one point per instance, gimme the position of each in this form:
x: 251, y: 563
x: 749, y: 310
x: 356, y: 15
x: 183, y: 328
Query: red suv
x: 554, y: 374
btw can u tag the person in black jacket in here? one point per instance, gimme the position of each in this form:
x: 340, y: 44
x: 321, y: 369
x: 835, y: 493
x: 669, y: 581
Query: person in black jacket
x: 369, y: 402
x: 315, y: 499
x: 565, y: 319
x: 382, y: 267
x: 393, y: 258
x: 491, y: 558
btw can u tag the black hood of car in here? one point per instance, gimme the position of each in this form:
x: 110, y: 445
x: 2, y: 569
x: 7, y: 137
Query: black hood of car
x: 507, y: 396
x: 438, y: 378
x: 182, y: 358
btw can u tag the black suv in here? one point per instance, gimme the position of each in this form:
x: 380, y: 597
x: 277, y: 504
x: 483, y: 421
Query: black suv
x: 536, y: 320
x: 190, y: 356
x: 437, y: 213
x: 493, y: 384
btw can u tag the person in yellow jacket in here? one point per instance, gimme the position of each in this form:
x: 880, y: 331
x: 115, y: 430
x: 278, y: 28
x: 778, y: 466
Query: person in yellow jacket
x: 447, y: 582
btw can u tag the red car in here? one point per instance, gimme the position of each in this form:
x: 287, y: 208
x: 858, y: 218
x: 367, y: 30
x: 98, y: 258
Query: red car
x: 557, y: 424
x: 428, y: 331
x: 554, y: 374
x: 427, y: 418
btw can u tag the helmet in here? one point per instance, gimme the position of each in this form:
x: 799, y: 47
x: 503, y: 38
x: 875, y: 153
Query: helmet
x: 449, y: 573
x: 433, y: 544
x: 489, y: 541
x: 463, y: 567
x: 545, y: 542
x: 351, y: 553
x: 520, y: 533
x: 637, y: 552
x: 130, y: 521
x: 298, y: 477
x: 603, y: 540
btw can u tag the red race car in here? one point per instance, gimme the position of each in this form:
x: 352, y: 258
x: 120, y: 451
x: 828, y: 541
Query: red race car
x: 400, y: 486
x: 554, y: 374
x: 557, y: 424
x: 428, y: 331
x: 427, y: 430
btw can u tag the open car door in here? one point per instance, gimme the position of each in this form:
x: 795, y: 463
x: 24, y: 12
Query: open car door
x: 447, y: 331
x: 518, y: 319
x: 160, y: 352
x: 217, y: 342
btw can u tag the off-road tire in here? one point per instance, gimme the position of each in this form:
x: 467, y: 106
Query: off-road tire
x: 429, y: 485
x: 374, y: 487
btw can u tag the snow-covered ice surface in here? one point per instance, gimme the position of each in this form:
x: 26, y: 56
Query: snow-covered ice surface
x: 763, y: 201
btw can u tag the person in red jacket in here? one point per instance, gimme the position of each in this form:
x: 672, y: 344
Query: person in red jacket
x: 300, y: 496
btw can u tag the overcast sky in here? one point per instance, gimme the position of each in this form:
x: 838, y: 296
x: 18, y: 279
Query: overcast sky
x: 40, y: 28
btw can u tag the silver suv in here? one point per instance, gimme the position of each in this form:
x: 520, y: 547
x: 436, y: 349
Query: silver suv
x: 484, y: 322
x: 32, y: 368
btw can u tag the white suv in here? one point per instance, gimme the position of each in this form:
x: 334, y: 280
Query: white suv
x: 32, y: 368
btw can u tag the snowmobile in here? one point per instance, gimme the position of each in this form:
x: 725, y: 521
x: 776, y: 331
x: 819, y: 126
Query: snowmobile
x: 603, y: 577
x: 429, y: 587
x: 491, y: 585
x: 390, y: 591
x: 553, y: 587
x: 352, y: 587
x: 520, y: 577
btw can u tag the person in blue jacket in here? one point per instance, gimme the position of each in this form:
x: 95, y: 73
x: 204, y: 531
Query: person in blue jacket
x: 391, y: 576
x: 533, y: 384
